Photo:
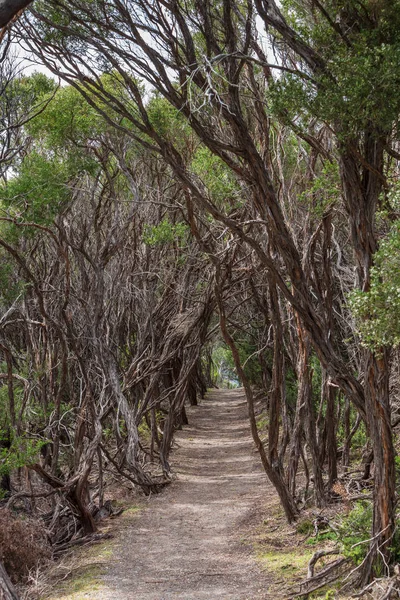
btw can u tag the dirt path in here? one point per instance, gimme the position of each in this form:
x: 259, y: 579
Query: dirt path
x: 187, y: 544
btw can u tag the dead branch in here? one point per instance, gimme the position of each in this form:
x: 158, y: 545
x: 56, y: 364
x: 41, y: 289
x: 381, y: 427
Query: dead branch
x: 315, y: 558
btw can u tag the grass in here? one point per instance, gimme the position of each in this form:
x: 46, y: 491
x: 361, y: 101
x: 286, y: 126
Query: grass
x: 82, y: 580
x: 284, y: 551
x: 82, y: 574
x: 262, y: 422
x: 278, y: 551
x: 132, y: 510
x: 287, y: 563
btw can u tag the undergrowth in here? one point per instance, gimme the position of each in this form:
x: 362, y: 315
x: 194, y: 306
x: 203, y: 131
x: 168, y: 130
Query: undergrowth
x: 350, y: 533
x: 23, y: 545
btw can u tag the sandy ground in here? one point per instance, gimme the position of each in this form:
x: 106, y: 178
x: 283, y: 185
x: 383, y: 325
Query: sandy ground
x: 188, y: 543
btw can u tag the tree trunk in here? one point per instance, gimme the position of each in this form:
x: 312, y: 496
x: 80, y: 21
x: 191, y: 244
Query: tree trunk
x: 295, y: 445
x: 347, y: 439
x: 192, y: 390
x: 10, y: 8
x: 304, y: 376
x: 330, y: 429
x: 7, y: 590
x: 378, y: 411
x: 275, y: 398
x: 328, y: 391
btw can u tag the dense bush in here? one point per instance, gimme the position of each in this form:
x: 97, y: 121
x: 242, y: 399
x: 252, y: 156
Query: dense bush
x: 23, y: 545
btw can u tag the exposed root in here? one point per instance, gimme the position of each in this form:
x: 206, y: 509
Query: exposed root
x: 326, y: 576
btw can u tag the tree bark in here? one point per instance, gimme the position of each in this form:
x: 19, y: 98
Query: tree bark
x: 275, y: 399
x: 10, y: 8
x: 379, y: 423
x: 330, y: 430
x: 7, y: 590
x: 304, y: 376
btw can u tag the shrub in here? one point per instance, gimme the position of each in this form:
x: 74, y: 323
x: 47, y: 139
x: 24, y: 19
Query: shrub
x: 355, y: 529
x: 23, y: 544
x: 306, y: 526
x: 351, y: 533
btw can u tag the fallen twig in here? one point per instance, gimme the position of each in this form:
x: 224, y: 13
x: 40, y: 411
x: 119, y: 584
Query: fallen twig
x: 87, y: 539
x: 320, y: 580
x: 315, y: 558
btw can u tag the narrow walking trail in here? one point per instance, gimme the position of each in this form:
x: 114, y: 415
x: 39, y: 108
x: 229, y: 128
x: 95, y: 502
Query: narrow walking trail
x: 187, y: 544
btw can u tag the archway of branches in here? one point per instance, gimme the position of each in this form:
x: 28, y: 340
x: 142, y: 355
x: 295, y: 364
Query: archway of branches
x: 175, y: 189
x: 127, y: 299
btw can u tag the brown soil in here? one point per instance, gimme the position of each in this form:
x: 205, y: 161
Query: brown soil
x: 188, y: 542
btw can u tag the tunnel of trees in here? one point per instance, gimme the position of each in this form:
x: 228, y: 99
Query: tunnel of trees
x: 200, y: 180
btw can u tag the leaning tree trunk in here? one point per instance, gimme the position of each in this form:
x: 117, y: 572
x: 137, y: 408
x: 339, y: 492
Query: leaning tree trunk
x: 379, y: 424
x: 276, y: 396
x: 296, y: 440
x: 304, y: 377
x: 330, y: 427
x: 7, y: 590
x: 328, y: 391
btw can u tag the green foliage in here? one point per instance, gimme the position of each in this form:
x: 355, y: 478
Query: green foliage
x: 36, y: 86
x: 72, y: 125
x: 165, y: 233
x: 4, y: 402
x: 27, y: 95
x: 249, y: 360
x: 144, y: 431
x: 35, y: 184
x: 359, y: 439
x: 291, y: 386
x: 262, y: 423
x: 305, y: 527
x: 324, y: 190
x: 377, y: 311
x: 67, y: 121
x: 362, y: 76
x: 23, y: 451
x: 322, y: 536
x: 223, y: 371
x: 217, y: 177
x: 167, y: 121
x: 61, y: 149
x: 10, y: 284
x: 355, y: 528
x: 39, y: 190
x: 350, y: 534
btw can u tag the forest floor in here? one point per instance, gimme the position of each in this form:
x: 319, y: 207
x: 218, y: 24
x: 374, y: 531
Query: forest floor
x: 207, y: 536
